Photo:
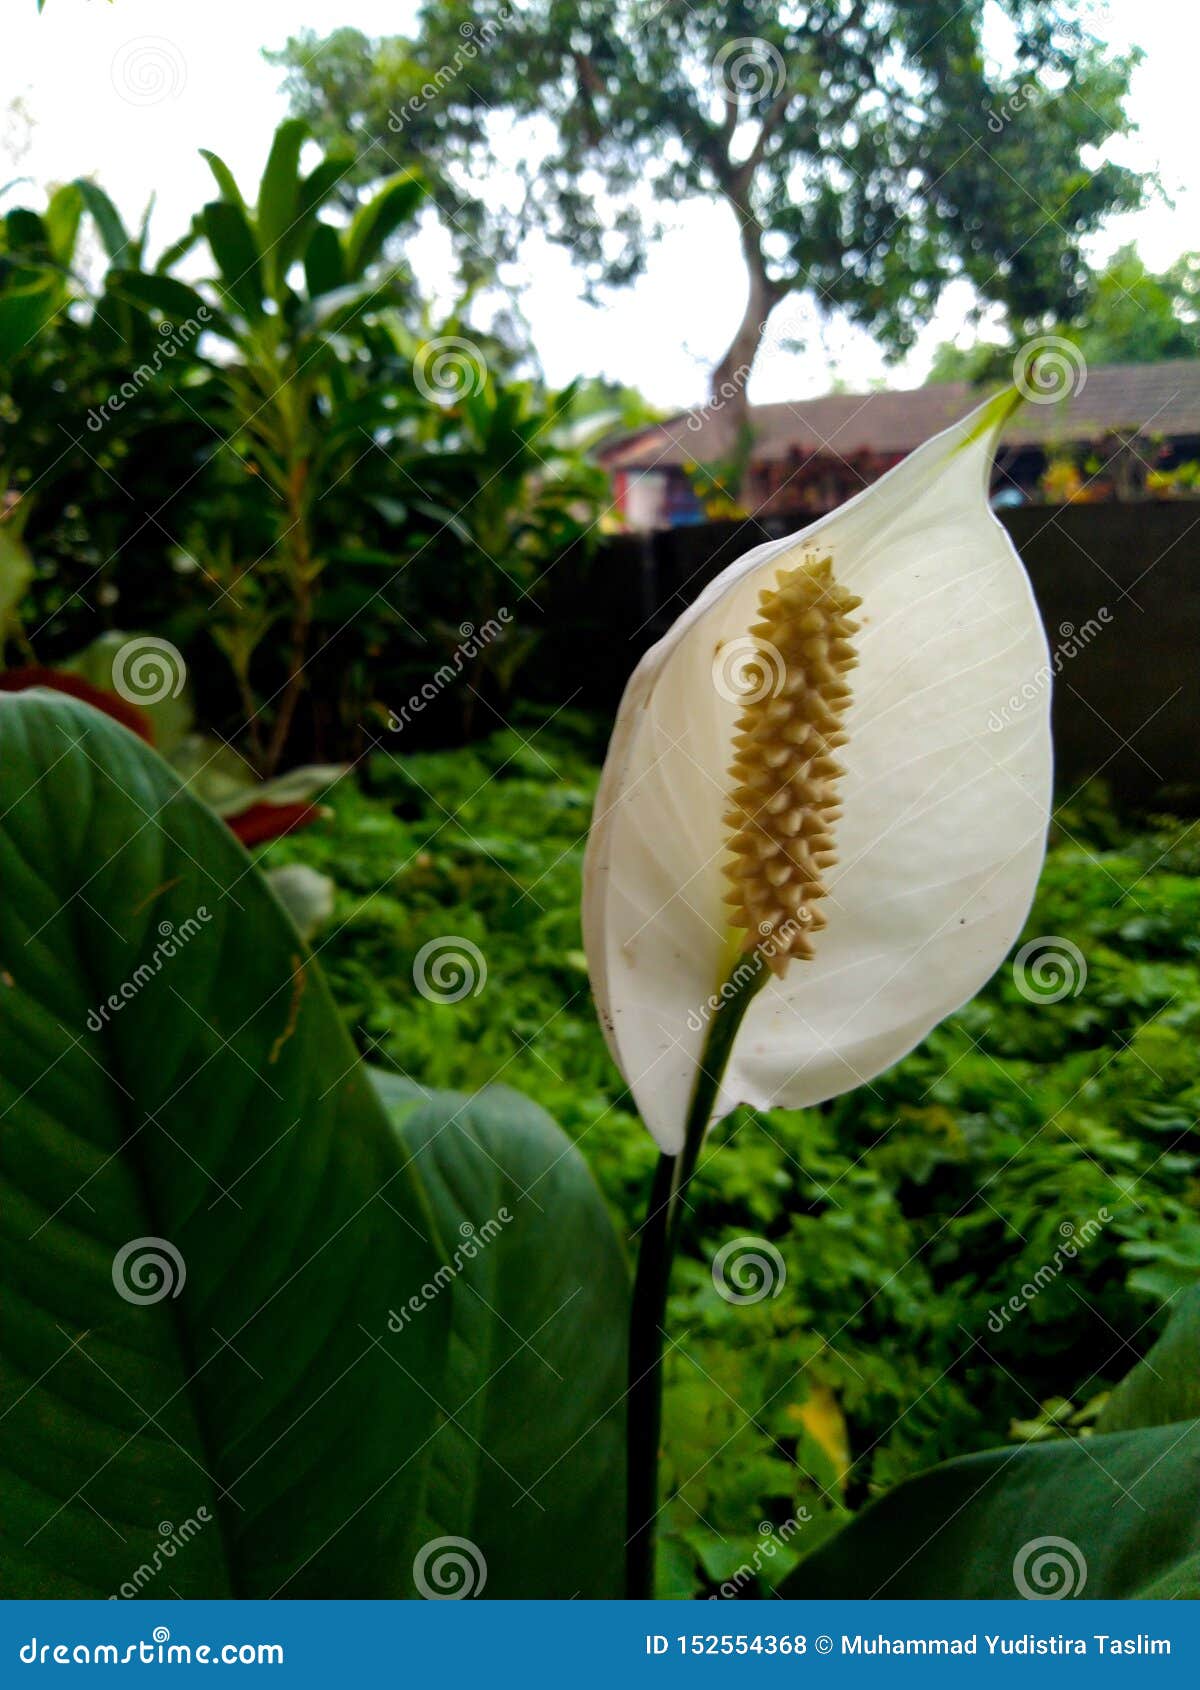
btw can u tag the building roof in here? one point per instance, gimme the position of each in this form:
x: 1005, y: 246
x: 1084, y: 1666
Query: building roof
x: 1151, y: 399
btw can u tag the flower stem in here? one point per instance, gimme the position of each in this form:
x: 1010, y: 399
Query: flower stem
x: 656, y: 1251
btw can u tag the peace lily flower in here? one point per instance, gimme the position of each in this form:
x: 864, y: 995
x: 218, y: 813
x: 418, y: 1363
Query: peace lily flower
x: 821, y: 818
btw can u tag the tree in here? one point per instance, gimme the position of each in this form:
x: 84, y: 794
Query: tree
x: 1129, y: 316
x: 866, y: 150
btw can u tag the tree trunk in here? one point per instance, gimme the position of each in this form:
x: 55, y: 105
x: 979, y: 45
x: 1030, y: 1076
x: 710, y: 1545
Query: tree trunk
x: 728, y: 407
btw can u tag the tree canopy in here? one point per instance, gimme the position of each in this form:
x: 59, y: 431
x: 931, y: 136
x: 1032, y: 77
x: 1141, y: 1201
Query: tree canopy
x: 868, y: 151
x: 1129, y: 315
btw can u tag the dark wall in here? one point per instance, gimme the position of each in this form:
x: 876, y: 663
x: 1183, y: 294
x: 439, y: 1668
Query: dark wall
x: 1128, y: 705
x: 1118, y: 587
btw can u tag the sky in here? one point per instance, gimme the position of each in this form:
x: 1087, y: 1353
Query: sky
x: 128, y: 91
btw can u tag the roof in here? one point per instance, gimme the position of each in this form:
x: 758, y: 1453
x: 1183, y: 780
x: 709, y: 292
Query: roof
x: 1154, y: 399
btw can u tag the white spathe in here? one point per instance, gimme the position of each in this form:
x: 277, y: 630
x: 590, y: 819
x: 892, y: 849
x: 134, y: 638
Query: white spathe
x: 946, y: 799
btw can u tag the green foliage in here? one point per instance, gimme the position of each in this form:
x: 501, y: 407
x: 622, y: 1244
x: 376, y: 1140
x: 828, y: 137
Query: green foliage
x: 285, y: 467
x: 1127, y: 315
x: 1115, y: 1516
x: 907, y: 1214
x: 236, y: 1293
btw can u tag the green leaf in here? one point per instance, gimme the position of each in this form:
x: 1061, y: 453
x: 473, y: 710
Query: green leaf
x: 369, y: 1330
x: 314, y: 191
x: 278, y: 195
x: 390, y: 206
x: 1165, y: 1385
x: 334, y: 310
x: 26, y: 233
x: 181, y: 247
x: 16, y: 572
x: 1127, y: 1506
x: 176, y: 300
x: 224, y: 178
x: 146, y: 671
x: 324, y: 270
x: 25, y: 309
x: 220, y: 1111
x: 324, y: 177
x: 63, y: 212
x: 236, y: 252
x: 538, y: 1317
x: 114, y: 236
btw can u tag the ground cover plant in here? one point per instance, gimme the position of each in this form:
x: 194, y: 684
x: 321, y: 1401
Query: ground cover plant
x: 906, y: 1218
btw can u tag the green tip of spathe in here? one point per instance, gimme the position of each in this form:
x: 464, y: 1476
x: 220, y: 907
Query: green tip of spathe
x: 991, y: 417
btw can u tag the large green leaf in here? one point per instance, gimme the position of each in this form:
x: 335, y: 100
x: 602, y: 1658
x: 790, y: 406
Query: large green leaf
x: 112, y: 231
x: 217, y: 1111
x: 1165, y: 1386
x: 173, y: 1076
x: 1125, y: 1506
x: 1116, y: 1515
x: 532, y: 1453
x: 236, y: 251
x: 278, y: 194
